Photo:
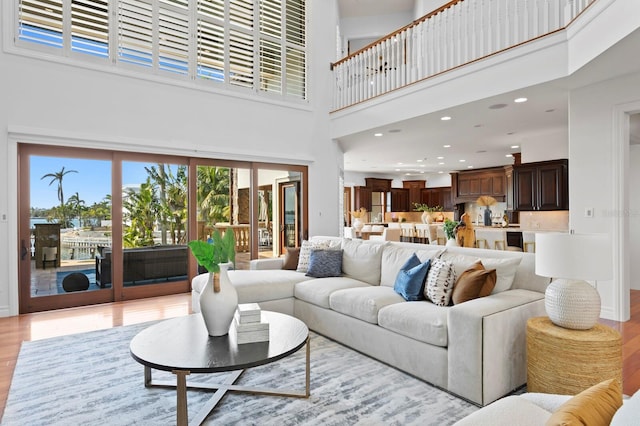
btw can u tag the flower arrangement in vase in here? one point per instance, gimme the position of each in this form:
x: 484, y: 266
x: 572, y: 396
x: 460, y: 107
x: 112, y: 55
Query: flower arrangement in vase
x: 426, y: 211
x: 358, y: 218
x: 450, y: 230
x: 218, y: 299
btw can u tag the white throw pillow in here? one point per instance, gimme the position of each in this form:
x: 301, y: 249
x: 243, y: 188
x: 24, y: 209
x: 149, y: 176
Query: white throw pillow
x: 361, y: 261
x: 305, y: 253
x: 505, y: 270
x: 440, y: 281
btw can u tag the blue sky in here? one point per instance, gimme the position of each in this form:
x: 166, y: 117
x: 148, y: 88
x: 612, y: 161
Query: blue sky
x: 92, y: 182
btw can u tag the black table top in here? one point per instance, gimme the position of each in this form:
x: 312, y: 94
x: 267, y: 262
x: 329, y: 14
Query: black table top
x: 183, y: 344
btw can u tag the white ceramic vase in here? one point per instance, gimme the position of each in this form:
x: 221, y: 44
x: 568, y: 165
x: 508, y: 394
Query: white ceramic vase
x: 357, y: 224
x: 451, y: 242
x: 218, y: 308
x: 426, y: 217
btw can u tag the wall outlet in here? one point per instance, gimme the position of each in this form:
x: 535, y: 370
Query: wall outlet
x: 588, y: 212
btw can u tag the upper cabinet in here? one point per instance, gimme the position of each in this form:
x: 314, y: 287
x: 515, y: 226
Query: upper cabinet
x: 467, y: 186
x: 378, y: 185
x: 362, y: 198
x: 541, y: 186
x: 438, y: 196
x: 414, y: 187
x: 400, y: 200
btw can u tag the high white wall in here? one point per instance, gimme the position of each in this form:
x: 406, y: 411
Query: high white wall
x: 592, y: 171
x: 44, y: 101
x: 422, y: 7
x: 542, y: 147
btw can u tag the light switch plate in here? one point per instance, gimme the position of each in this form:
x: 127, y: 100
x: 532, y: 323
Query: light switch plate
x: 588, y: 212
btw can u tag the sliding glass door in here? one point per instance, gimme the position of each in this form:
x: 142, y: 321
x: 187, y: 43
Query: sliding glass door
x: 65, y: 220
x: 99, y: 226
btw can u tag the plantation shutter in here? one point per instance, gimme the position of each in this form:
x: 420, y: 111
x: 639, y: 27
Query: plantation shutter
x: 135, y: 32
x: 241, y: 58
x: 40, y: 22
x: 295, y: 58
x: 173, y: 36
x: 90, y: 27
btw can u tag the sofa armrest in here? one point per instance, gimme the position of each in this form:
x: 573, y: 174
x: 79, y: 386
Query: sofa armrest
x: 271, y: 263
x: 487, y: 344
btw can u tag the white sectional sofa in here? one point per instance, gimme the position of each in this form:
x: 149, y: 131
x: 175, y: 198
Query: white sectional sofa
x: 475, y: 349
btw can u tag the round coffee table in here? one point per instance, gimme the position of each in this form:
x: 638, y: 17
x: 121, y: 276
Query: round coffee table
x: 182, y: 345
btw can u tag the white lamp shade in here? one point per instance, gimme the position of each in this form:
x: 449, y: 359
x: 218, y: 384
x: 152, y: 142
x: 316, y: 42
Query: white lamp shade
x: 574, y: 256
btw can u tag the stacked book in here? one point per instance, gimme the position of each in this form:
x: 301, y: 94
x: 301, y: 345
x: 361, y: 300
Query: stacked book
x: 249, y: 326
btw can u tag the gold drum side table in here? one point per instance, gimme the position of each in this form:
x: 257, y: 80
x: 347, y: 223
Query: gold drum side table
x: 565, y: 361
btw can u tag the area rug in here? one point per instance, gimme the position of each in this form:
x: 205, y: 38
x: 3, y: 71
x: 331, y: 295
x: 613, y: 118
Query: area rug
x: 91, y: 379
x: 90, y: 273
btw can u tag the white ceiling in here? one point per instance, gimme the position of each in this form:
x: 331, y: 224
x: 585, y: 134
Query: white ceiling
x: 358, y: 8
x: 477, y: 134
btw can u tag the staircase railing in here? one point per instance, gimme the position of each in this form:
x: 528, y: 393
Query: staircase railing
x: 458, y: 33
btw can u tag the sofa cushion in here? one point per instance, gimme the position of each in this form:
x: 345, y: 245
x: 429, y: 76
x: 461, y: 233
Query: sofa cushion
x: 363, y: 303
x: 394, y: 256
x: 362, y: 260
x: 505, y: 267
x: 291, y: 258
x: 593, y: 406
x: 509, y: 411
x: 265, y: 285
x: 325, y: 263
x: 318, y: 290
x: 473, y: 283
x: 420, y: 320
x: 440, y: 281
x: 411, y: 278
x: 628, y: 413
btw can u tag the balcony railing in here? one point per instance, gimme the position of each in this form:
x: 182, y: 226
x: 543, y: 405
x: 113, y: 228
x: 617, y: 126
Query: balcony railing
x: 458, y: 33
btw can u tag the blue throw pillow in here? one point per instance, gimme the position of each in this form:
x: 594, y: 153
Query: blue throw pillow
x: 411, y: 278
x: 325, y: 263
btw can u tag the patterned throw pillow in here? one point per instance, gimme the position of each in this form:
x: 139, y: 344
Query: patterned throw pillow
x: 325, y: 263
x: 305, y: 253
x: 440, y: 281
x: 411, y: 278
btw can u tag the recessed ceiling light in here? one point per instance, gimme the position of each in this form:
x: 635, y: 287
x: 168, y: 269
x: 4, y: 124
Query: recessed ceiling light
x: 422, y: 172
x: 498, y: 106
x: 520, y: 100
x: 377, y: 134
x: 423, y: 165
x: 400, y: 164
x: 515, y: 146
x: 407, y: 174
x: 397, y: 170
x: 508, y: 155
x: 440, y: 172
x: 440, y: 158
x: 445, y: 118
x: 419, y: 161
x: 469, y: 167
x: 441, y: 164
x: 462, y: 161
x: 446, y: 146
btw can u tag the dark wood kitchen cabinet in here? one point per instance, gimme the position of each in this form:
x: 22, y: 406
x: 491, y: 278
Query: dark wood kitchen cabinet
x: 414, y: 187
x: 541, y: 186
x: 362, y: 197
x: 400, y: 200
x: 439, y: 196
x: 467, y: 186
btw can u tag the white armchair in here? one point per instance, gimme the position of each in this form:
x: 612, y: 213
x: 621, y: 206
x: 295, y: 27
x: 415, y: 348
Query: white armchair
x: 388, y: 234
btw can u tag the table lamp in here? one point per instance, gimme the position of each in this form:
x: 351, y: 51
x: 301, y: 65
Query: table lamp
x: 570, y: 259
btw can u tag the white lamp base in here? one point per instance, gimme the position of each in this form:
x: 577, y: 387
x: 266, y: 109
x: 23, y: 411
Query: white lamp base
x: 572, y: 304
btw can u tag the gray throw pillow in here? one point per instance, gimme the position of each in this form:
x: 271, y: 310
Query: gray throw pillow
x: 325, y: 263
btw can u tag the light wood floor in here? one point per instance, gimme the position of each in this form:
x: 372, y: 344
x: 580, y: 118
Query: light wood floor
x: 14, y: 330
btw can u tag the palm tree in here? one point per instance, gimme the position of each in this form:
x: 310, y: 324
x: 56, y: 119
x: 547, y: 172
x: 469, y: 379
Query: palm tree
x: 213, y: 194
x: 76, y: 206
x: 57, y: 177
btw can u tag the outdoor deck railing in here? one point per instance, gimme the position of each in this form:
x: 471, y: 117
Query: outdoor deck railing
x: 458, y: 33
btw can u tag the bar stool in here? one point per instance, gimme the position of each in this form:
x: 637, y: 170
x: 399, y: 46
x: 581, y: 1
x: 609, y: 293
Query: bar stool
x: 529, y: 240
x: 408, y: 232
x: 422, y: 233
